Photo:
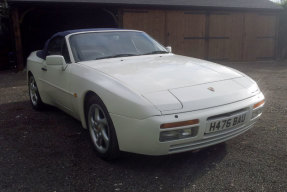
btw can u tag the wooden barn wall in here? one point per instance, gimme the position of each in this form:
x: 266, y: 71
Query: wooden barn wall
x: 225, y: 36
x: 182, y: 36
x: 217, y: 36
x: 151, y: 21
x: 260, y: 37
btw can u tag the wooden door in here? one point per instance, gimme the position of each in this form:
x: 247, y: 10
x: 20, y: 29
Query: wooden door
x: 259, y: 37
x: 149, y: 21
x: 186, y: 31
x: 232, y: 36
x: 225, y: 36
x: 266, y: 37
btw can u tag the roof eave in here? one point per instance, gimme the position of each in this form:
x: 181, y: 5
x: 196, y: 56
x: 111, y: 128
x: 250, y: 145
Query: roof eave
x: 154, y: 5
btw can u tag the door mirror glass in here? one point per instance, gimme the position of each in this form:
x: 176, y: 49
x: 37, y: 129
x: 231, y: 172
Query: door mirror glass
x: 169, y: 49
x: 55, y: 60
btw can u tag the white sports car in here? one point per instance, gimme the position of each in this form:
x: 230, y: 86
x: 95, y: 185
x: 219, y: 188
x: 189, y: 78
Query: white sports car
x: 134, y: 95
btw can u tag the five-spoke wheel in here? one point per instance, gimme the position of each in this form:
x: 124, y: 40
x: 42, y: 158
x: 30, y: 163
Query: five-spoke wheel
x: 101, y: 128
x: 34, y: 93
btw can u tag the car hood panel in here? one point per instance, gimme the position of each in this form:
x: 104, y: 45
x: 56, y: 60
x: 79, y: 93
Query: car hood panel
x: 154, y: 73
x: 212, y: 94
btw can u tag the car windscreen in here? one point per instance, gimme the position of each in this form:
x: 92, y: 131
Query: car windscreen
x: 101, y: 45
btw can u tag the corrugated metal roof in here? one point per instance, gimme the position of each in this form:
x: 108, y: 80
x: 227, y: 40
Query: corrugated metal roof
x: 244, y: 4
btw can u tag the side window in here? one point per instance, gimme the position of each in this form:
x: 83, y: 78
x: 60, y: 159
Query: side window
x: 58, y: 46
x: 54, y: 47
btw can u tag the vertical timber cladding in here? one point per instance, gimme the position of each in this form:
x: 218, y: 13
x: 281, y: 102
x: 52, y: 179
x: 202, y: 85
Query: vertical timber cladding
x: 186, y: 32
x: 230, y: 36
x: 245, y: 36
x: 150, y: 21
x: 225, y: 36
x: 259, y: 36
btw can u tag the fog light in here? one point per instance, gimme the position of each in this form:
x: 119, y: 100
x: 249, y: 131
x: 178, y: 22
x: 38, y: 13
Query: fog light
x: 256, y: 113
x: 178, y: 134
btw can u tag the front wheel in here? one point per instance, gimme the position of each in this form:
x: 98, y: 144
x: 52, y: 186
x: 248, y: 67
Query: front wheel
x: 101, y: 128
x: 34, y: 94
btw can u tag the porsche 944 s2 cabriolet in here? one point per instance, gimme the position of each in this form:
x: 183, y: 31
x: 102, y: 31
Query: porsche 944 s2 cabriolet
x: 134, y: 95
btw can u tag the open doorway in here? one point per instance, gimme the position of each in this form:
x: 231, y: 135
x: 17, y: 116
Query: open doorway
x: 40, y: 23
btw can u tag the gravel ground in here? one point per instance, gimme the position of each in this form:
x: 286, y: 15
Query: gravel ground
x: 49, y: 151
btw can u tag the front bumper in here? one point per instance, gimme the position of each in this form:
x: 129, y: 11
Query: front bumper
x: 142, y: 136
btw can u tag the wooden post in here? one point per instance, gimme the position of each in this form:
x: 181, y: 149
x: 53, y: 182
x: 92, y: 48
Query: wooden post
x: 207, y: 36
x: 17, y: 38
x: 277, y: 54
x: 120, y: 18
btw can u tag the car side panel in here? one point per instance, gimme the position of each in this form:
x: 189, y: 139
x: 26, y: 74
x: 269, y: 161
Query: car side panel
x: 34, y: 65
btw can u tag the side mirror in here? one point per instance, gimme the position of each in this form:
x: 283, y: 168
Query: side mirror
x: 55, y: 60
x: 169, y: 49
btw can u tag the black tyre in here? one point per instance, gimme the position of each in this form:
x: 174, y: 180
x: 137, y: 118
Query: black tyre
x: 101, y: 129
x: 34, y: 94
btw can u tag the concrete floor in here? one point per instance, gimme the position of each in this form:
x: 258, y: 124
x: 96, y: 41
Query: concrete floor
x: 49, y: 151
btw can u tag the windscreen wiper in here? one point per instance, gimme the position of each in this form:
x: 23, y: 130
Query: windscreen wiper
x: 156, y: 52
x: 119, y: 55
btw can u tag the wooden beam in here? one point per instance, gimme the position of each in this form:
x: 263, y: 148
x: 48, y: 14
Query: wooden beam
x: 277, y: 54
x: 17, y: 38
x: 166, y: 33
x: 120, y: 18
x: 206, y: 35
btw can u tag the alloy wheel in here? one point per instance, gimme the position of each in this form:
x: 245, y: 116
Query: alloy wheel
x: 99, y: 128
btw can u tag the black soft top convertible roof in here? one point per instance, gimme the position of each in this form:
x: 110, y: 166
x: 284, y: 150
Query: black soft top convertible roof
x: 43, y: 53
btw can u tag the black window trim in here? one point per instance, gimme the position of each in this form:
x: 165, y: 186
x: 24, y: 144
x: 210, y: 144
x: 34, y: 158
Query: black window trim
x: 63, y: 43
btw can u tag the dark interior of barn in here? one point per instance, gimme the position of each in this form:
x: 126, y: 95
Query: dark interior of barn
x: 40, y: 22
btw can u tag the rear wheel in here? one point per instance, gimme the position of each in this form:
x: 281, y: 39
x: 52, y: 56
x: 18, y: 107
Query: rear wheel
x: 34, y: 94
x: 101, y: 129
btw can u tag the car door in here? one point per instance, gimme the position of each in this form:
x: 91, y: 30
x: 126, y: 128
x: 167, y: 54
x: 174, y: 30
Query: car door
x: 56, y: 78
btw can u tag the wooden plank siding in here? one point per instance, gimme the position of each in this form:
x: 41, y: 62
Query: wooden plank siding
x: 186, y: 32
x: 266, y: 36
x: 259, y: 37
x: 150, y: 21
x: 225, y: 36
x: 212, y: 35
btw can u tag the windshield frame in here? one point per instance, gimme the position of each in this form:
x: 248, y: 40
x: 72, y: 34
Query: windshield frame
x: 109, y: 31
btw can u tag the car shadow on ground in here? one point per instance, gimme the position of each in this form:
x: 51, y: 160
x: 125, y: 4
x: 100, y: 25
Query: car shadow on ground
x: 49, y: 150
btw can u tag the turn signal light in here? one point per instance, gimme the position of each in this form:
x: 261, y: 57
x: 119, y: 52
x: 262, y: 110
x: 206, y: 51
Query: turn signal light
x: 179, y: 124
x: 259, y: 104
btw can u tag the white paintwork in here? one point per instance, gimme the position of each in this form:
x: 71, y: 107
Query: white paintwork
x: 143, y: 92
x: 169, y: 49
x: 55, y: 60
x: 147, y: 74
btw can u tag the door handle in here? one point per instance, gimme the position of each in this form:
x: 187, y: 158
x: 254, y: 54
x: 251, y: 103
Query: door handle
x: 44, y: 69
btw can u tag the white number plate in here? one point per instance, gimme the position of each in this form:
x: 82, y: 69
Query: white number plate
x: 227, y: 123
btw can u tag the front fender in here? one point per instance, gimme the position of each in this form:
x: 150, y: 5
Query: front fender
x: 119, y: 99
